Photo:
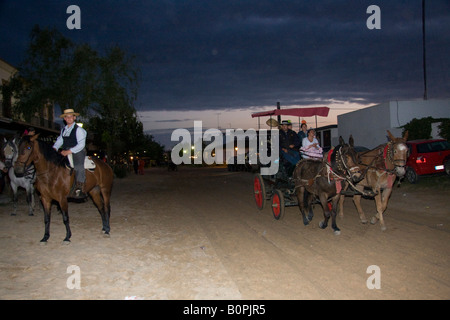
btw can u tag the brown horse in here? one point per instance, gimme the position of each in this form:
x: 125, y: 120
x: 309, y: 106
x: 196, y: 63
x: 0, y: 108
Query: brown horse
x: 325, y: 179
x: 54, y: 181
x: 382, y: 166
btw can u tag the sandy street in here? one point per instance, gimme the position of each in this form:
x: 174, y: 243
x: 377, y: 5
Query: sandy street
x: 197, y: 234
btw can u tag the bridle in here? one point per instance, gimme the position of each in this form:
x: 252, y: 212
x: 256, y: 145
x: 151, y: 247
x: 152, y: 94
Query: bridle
x: 389, y: 155
x: 11, y: 157
x: 341, y: 165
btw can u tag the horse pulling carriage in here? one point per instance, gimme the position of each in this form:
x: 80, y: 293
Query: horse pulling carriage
x: 342, y: 171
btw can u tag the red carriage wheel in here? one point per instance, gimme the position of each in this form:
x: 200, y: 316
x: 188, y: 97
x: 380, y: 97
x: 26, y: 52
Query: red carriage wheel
x: 278, y: 204
x: 259, y: 191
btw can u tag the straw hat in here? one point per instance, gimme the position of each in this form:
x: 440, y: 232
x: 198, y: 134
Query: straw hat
x: 272, y: 123
x: 69, y: 112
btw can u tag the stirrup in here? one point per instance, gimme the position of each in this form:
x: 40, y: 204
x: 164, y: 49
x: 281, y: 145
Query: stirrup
x: 79, y: 194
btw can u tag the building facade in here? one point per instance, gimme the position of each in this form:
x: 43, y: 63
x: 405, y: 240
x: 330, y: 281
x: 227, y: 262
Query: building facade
x: 12, y: 123
x: 369, y: 125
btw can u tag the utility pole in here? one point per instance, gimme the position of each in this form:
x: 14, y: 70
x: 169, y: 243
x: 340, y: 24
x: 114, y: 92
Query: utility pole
x: 425, y: 94
x: 278, y: 117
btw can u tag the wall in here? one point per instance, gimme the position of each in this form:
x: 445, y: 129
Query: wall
x: 368, y: 126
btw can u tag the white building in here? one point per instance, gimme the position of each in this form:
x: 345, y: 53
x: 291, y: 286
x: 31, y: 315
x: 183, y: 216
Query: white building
x: 368, y: 126
x: 328, y: 136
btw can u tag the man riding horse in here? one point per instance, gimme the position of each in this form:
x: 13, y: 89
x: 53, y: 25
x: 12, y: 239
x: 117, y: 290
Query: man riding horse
x: 72, y: 140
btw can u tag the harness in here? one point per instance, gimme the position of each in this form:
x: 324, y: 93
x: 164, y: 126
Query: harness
x: 386, y: 154
x: 331, y: 174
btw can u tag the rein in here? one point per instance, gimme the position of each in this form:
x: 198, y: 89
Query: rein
x: 34, y: 161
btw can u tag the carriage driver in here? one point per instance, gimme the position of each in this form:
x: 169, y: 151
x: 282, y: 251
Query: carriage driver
x: 72, y: 140
x: 289, y: 144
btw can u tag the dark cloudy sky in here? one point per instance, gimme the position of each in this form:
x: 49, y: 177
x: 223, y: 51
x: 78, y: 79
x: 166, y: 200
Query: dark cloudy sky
x: 226, y: 56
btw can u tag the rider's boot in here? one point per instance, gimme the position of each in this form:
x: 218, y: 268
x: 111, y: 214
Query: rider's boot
x: 79, y: 193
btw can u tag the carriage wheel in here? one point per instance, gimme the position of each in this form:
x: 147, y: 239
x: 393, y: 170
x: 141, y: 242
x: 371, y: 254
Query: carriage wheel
x: 278, y: 204
x: 259, y: 191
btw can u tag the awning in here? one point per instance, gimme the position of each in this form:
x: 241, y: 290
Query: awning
x: 296, y: 112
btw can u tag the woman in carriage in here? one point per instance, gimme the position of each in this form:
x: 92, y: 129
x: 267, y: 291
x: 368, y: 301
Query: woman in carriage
x: 311, y: 148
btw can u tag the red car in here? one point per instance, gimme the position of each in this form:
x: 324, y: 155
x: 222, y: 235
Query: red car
x: 427, y: 157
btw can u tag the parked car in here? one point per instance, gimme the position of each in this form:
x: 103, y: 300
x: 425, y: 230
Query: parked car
x: 427, y: 157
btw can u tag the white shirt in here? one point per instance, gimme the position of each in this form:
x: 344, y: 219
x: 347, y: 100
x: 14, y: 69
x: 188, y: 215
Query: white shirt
x: 306, y: 143
x: 81, y: 138
x: 308, y: 151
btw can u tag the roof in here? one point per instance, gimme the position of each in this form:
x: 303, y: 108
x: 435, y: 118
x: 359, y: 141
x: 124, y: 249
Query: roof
x: 424, y: 140
x: 297, y: 112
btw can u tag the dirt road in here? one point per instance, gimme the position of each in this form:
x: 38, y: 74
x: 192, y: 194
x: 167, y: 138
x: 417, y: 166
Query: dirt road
x: 196, y: 234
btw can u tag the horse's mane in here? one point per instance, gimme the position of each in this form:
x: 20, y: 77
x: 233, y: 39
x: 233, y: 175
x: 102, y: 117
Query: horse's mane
x: 49, y: 153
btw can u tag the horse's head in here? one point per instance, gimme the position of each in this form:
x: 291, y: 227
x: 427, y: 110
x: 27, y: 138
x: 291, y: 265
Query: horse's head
x: 10, y: 151
x: 348, y: 159
x: 26, y: 154
x: 397, y: 153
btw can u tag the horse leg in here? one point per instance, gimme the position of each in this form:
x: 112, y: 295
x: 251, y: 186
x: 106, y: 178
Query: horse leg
x: 30, y: 200
x: 341, y: 206
x: 46, y: 205
x: 64, y: 206
x: 335, y: 202
x: 15, y: 201
x: 103, y: 208
x: 381, y: 207
x: 326, y: 213
x: 308, y: 200
x: 357, y: 202
x: 301, y: 203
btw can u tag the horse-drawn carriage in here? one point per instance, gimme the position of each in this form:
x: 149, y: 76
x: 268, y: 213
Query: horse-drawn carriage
x: 328, y: 180
x: 279, y: 189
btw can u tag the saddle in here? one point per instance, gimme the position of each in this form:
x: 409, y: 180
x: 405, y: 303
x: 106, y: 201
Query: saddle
x: 89, y: 164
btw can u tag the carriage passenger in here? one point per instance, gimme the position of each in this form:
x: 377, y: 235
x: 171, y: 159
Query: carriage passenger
x: 303, y: 133
x: 290, y: 126
x: 289, y: 144
x: 311, y: 148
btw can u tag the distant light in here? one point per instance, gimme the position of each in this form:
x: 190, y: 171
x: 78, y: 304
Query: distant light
x: 80, y: 124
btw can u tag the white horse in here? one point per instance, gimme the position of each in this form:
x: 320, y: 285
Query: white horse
x: 26, y: 181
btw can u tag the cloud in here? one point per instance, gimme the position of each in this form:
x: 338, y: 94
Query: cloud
x: 173, y: 120
x: 203, y: 54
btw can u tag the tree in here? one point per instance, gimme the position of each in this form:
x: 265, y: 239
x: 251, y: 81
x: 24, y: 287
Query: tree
x: 37, y: 81
x: 444, y: 129
x: 103, y: 88
x: 421, y: 128
x: 114, y: 114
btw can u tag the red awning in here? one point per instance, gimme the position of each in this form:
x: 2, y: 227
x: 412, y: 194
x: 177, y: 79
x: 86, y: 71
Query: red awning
x: 297, y: 112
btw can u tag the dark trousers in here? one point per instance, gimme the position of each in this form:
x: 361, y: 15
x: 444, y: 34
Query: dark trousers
x: 78, y: 163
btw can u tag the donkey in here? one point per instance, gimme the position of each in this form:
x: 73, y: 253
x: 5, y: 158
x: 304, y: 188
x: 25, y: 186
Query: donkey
x: 324, y: 179
x: 382, y: 166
